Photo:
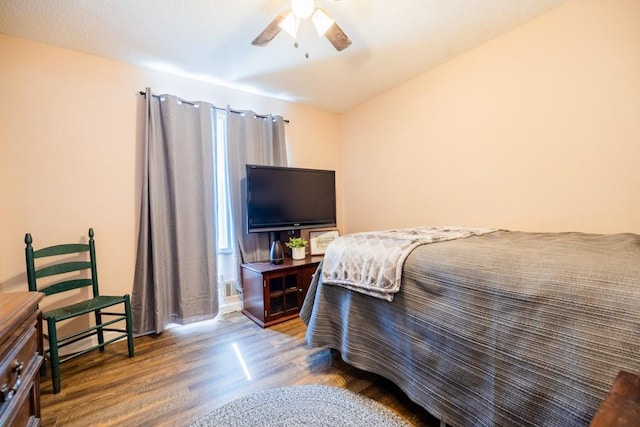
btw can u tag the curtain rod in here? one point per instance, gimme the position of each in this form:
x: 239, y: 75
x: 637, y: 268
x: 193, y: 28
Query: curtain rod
x: 143, y: 93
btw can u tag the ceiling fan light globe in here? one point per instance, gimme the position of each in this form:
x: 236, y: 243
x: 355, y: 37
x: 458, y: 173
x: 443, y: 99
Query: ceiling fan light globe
x: 290, y: 24
x: 321, y: 21
x: 302, y: 8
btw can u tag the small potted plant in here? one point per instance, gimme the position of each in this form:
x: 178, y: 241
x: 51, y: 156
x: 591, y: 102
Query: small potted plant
x: 297, y: 245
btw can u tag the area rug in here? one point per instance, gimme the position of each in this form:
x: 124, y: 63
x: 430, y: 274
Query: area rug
x: 303, y: 405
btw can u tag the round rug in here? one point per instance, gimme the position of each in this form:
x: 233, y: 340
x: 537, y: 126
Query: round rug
x: 303, y: 405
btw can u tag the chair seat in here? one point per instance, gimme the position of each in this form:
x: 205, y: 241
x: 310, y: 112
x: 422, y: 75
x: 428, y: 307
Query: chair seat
x: 83, y: 307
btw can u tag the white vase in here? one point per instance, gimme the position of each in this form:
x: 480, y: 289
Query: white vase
x: 297, y: 253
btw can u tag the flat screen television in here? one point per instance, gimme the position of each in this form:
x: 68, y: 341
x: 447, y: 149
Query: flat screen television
x: 286, y: 198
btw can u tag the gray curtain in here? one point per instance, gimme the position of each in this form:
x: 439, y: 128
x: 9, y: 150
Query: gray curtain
x: 251, y: 139
x: 175, y: 274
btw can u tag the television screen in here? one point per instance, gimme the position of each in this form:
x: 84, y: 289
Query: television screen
x: 284, y: 198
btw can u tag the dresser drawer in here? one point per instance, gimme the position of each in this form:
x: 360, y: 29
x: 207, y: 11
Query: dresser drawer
x: 24, y: 407
x: 20, y: 360
x: 14, y: 363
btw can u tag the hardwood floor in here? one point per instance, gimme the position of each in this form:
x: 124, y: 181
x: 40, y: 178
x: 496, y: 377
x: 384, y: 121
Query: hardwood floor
x: 183, y: 374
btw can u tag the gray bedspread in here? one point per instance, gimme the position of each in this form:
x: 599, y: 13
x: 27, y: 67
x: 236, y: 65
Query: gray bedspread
x: 505, y: 329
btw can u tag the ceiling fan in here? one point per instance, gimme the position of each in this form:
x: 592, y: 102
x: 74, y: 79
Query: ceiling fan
x: 290, y: 19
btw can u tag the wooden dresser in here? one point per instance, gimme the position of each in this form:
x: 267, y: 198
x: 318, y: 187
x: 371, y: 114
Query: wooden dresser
x: 20, y: 358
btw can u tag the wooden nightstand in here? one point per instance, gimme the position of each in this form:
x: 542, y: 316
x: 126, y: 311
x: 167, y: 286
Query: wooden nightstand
x: 274, y: 293
x: 621, y: 407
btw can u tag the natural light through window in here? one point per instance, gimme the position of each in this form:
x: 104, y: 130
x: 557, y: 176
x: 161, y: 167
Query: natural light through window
x: 222, y: 202
x: 241, y: 360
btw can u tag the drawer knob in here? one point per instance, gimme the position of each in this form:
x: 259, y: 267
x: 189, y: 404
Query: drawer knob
x: 7, y: 393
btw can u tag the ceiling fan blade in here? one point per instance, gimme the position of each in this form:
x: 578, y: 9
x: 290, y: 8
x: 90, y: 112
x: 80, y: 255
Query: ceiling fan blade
x: 337, y: 37
x: 271, y: 31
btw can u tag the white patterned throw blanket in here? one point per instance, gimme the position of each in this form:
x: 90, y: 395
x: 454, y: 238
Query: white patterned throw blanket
x: 371, y: 262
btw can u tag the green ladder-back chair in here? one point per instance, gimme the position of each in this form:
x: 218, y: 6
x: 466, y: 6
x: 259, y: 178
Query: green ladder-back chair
x: 77, y: 270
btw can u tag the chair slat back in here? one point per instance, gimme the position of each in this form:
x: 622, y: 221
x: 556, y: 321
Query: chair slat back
x: 59, y: 266
x: 63, y: 267
x: 65, y: 285
x: 68, y: 248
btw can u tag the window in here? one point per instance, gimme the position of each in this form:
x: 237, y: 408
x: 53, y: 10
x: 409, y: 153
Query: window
x: 223, y: 202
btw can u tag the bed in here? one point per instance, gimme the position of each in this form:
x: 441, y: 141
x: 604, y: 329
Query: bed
x: 500, y: 329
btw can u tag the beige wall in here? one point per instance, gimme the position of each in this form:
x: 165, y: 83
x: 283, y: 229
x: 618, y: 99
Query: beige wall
x: 69, y: 150
x: 538, y: 129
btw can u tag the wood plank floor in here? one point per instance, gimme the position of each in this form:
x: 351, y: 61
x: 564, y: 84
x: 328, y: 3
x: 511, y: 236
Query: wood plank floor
x: 184, y: 373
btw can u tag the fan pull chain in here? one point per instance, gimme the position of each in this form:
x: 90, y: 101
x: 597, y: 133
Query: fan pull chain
x: 306, y: 39
x: 302, y: 25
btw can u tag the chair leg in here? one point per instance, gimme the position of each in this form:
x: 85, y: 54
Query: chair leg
x: 127, y: 310
x: 53, y: 355
x: 99, y: 330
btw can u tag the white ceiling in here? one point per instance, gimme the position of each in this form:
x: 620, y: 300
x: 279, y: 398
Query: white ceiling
x: 393, y: 41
